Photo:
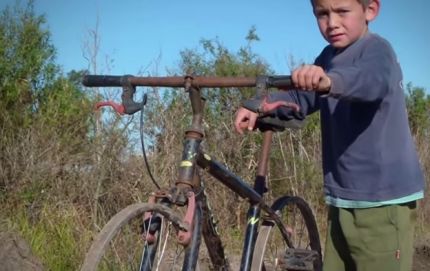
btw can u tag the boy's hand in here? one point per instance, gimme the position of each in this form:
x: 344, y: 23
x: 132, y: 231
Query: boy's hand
x: 311, y: 77
x: 245, y: 119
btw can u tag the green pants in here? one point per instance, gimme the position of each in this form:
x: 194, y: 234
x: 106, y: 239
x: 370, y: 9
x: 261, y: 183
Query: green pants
x: 371, y: 239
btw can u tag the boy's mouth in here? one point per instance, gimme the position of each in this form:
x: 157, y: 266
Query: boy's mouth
x: 336, y: 37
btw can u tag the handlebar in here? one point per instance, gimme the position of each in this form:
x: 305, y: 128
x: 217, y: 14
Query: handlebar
x: 279, y: 81
x: 129, y: 84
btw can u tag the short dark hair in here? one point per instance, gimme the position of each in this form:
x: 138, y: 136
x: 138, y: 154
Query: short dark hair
x: 364, y: 3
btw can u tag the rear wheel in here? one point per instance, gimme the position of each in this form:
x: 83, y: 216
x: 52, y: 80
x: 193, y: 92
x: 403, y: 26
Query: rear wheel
x: 300, y: 251
x: 120, y: 244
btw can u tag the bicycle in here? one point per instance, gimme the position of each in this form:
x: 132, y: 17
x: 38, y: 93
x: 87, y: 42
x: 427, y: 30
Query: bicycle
x: 161, y: 223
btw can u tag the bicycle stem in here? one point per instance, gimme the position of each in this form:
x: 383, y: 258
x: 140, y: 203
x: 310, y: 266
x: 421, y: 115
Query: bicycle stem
x: 197, y: 106
x: 193, y: 137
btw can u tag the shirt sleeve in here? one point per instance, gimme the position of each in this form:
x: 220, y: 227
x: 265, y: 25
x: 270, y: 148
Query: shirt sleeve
x: 368, y: 78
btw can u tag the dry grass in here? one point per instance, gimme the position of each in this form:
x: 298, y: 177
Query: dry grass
x: 50, y: 190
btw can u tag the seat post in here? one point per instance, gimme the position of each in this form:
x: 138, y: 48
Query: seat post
x: 263, y: 161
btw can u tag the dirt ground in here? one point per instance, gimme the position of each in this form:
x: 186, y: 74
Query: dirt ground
x: 15, y: 254
x: 422, y: 256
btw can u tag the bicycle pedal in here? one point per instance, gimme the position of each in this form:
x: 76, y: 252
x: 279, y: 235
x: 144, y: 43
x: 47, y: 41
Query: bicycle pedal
x: 298, y: 260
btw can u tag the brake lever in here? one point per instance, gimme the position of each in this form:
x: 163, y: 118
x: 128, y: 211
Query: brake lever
x: 128, y: 105
x: 119, y: 108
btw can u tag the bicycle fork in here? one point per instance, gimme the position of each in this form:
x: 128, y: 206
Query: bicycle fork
x: 188, y: 237
x: 184, y: 236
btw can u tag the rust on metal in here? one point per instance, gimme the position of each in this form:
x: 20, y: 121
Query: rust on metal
x: 184, y: 237
x: 197, y: 82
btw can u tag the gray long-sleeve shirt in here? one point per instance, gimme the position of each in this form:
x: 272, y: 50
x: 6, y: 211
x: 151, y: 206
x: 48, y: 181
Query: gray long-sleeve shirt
x: 368, y: 150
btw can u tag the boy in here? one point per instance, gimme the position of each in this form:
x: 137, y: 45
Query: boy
x: 372, y: 177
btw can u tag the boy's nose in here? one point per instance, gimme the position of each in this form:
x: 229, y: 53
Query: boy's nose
x: 333, y: 20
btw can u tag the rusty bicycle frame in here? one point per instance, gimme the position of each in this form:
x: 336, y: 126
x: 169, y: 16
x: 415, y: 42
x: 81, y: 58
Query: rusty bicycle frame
x: 188, y: 179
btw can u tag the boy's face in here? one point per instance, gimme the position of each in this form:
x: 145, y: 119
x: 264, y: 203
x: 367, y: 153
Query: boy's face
x: 342, y: 22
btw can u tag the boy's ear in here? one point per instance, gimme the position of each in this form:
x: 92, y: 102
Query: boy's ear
x: 372, y: 10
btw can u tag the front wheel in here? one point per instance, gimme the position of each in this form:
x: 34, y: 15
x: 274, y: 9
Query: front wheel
x: 301, y: 250
x: 121, y: 244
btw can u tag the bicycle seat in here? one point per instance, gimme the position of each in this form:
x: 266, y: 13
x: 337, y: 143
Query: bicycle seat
x: 272, y: 120
x: 277, y: 124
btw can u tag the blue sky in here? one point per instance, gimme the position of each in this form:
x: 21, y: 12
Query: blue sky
x: 147, y: 35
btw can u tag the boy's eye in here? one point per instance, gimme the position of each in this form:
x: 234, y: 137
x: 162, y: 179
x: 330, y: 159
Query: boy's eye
x: 321, y: 14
